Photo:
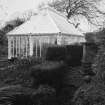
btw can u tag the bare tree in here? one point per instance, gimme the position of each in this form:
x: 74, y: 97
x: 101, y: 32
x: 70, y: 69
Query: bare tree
x: 86, y: 8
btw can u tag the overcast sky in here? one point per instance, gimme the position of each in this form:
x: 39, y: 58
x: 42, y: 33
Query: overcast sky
x: 11, y: 8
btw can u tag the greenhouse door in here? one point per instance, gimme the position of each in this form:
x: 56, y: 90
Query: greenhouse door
x: 37, y: 49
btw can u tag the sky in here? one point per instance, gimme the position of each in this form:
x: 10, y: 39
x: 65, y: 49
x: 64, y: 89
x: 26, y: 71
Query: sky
x: 12, y: 8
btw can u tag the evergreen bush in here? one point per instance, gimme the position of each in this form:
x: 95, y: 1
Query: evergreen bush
x: 93, y: 93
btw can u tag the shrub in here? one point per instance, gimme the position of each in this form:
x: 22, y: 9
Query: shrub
x: 53, y: 82
x: 18, y: 95
x: 56, y: 53
x: 18, y: 72
x: 44, y: 73
x: 44, y: 95
x: 11, y: 95
x: 93, y: 93
x: 65, y: 80
x: 70, y: 54
x: 74, y: 54
x: 90, y: 94
x: 25, y: 61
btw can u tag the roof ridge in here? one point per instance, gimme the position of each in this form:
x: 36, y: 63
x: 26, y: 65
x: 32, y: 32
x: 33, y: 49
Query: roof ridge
x: 53, y: 21
x: 52, y: 9
x: 59, y: 13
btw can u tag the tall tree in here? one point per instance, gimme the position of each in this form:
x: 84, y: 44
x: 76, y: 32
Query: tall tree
x: 86, y: 8
x: 3, y: 40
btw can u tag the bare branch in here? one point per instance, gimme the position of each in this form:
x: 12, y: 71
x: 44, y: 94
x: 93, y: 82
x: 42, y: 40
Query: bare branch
x: 87, y: 8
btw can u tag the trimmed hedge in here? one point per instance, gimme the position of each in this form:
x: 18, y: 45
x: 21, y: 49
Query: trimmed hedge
x: 70, y: 54
x: 56, y: 53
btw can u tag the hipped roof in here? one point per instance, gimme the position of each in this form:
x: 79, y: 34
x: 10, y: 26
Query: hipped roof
x: 48, y: 21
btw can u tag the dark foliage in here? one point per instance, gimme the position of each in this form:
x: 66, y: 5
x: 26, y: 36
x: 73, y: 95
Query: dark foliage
x: 99, y: 61
x: 71, y: 54
x: 45, y: 72
x: 3, y: 44
x: 87, y: 68
x: 56, y: 53
x: 18, y: 71
x: 3, y: 39
x: 93, y: 93
x: 63, y: 79
x: 92, y: 46
x: 18, y: 95
x: 52, y: 83
x: 90, y: 94
x: 91, y: 51
x: 44, y: 95
x: 11, y: 25
x: 74, y: 55
x: 16, y: 85
x: 25, y: 62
